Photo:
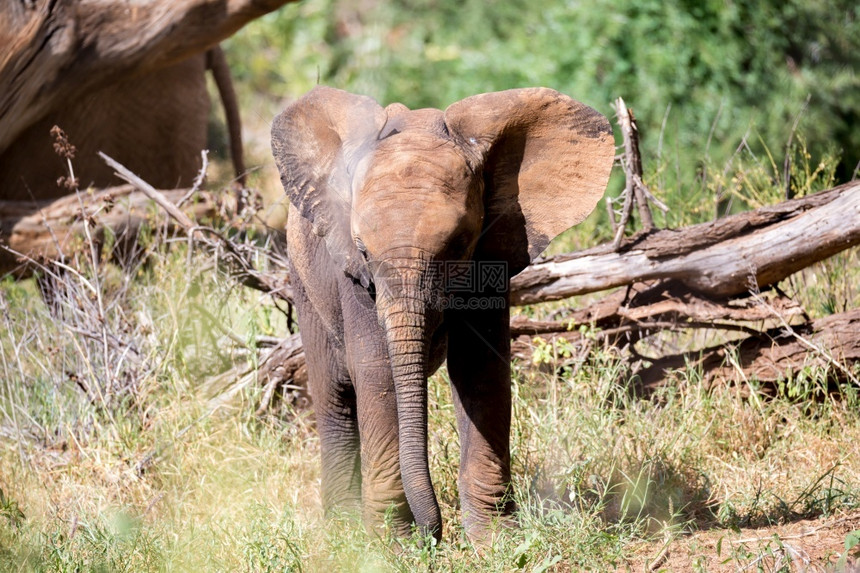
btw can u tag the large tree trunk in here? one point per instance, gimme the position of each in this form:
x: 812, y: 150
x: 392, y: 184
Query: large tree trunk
x: 56, y: 51
x: 721, y: 258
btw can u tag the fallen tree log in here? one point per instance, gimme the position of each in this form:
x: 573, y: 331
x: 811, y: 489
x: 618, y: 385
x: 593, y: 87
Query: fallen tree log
x: 831, y: 343
x: 642, y: 308
x: 50, y: 230
x: 719, y: 259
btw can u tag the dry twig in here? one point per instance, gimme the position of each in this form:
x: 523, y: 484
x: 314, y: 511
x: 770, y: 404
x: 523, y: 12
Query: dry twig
x: 635, y: 191
x: 238, y: 258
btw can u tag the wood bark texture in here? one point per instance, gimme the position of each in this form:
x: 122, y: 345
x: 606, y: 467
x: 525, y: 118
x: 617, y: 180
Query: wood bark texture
x: 49, y: 230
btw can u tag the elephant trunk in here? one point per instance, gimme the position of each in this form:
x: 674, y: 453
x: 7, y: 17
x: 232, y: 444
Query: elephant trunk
x: 403, y: 314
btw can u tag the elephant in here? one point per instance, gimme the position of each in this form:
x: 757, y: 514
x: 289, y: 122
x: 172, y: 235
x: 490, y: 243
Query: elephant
x: 155, y: 124
x: 405, y: 229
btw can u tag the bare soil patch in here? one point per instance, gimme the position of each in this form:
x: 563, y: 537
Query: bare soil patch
x: 808, y: 545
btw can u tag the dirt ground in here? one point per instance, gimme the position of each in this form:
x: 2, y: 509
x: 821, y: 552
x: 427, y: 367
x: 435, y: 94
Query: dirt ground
x: 807, y: 545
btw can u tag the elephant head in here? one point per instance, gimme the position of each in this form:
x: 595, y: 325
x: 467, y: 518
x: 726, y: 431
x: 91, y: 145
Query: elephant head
x: 495, y: 177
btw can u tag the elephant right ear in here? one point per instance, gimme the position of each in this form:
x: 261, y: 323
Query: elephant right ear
x: 317, y: 142
x: 546, y: 162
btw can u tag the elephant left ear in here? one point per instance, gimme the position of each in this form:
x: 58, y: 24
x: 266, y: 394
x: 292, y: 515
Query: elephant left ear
x: 318, y: 142
x: 546, y: 160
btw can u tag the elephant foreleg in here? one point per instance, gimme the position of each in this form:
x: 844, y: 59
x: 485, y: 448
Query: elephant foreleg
x: 335, y: 410
x: 383, y: 494
x: 479, y: 366
x: 382, y: 486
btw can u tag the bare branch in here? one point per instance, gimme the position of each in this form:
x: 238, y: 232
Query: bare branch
x: 635, y: 191
x: 238, y: 258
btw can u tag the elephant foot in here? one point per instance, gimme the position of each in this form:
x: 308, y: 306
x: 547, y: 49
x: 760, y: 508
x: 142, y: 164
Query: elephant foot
x: 484, y: 533
x: 483, y: 525
x: 388, y: 519
x: 348, y: 512
x: 341, y: 501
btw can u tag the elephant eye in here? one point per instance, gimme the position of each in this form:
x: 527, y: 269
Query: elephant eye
x: 360, y: 245
x: 385, y: 134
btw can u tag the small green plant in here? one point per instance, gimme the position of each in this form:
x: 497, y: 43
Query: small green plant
x: 852, y: 540
x: 10, y: 510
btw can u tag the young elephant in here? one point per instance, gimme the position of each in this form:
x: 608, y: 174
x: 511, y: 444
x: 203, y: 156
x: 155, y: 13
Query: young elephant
x: 406, y: 228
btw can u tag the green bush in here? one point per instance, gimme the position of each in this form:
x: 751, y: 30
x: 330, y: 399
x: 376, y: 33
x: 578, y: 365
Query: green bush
x: 701, y: 76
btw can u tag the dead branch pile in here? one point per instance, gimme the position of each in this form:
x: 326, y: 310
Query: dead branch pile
x: 241, y: 260
x: 831, y: 343
x: 772, y: 336
x: 280, y: 370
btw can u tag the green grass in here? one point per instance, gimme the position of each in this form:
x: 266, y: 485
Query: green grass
x: 119, y: 465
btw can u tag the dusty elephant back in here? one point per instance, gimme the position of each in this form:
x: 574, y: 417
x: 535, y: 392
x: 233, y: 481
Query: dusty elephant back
x: 155, y: 124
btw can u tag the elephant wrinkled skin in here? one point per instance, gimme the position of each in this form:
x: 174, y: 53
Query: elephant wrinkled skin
x: 155, y: 124
x: 406, y: 229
